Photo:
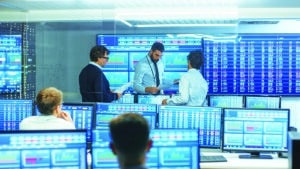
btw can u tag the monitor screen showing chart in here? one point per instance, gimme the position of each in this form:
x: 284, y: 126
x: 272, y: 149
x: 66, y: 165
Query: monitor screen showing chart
x: 255, y: 131
x: 262, y: 101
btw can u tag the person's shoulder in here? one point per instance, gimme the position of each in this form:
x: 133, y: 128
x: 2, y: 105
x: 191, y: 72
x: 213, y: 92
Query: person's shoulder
x: 30, y: 118
x: 89, y: 68
x: 64, y: 124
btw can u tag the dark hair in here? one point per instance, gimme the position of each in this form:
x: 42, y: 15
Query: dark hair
x: 158, y: 46
x: 47, y: 99
x: 196, y: 59
x: 98, y: 52
x: 130, y: 133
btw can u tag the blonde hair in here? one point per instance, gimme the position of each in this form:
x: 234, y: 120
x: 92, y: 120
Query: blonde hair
x: 47, y: 99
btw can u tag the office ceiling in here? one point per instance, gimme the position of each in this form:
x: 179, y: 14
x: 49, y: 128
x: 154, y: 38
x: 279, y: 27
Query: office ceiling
x: 139, y: 13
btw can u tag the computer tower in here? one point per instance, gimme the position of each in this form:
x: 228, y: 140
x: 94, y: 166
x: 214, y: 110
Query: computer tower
x: 293, y: 150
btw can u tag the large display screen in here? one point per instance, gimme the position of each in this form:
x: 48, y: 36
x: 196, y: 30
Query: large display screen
x: 253, y: 64
x: 127, y: 50
x: 10, y: 63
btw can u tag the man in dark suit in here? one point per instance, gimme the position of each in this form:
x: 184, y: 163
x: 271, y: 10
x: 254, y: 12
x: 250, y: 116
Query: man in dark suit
x: 94, y: 86
x: 130, y: 140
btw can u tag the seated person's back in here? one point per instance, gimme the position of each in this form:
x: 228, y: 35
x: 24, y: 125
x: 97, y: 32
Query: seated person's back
x: 48, y: 102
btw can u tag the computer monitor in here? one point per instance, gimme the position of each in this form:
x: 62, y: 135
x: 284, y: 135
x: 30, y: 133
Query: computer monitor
x: 126, y: 98
x: 226, y: 101
x: 83, y: 115
x: 151, y: 99
x: 262, y: 102
x: 206, y: 119
x: 13, y: 111
x: 43, y: 149
x: 102, y: 156
x: 106, y: 111
x: 172, y: 148
x: 255, y: 131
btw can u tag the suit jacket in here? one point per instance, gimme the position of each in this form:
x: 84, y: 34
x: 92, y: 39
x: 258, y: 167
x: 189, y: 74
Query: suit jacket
x: 94, y: 87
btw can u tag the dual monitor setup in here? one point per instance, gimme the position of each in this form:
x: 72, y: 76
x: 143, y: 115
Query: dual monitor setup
x: 254, y: 132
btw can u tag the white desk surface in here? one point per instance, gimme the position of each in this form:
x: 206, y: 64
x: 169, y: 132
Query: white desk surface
x: 234, y: 162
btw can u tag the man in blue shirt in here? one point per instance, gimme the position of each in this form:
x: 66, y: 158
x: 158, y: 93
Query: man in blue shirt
x: 148, y: 76
x: 192, y: 86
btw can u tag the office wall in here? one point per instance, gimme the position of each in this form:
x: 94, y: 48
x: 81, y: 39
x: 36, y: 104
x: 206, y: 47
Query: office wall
x: 60, y: 55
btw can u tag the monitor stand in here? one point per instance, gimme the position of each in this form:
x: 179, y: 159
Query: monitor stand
x: 255, y: 155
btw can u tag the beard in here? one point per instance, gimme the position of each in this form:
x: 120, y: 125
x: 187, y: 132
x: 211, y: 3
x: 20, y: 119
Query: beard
x: 154, y: 60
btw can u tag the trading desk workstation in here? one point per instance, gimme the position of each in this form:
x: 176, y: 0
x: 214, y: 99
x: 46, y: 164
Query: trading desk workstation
x: 214, y: 136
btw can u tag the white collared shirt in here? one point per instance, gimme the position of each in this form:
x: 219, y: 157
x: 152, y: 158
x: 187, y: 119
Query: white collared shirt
x: 192, y: 90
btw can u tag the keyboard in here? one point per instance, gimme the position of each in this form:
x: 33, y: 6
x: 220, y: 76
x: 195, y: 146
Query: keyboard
x: 212, y: 158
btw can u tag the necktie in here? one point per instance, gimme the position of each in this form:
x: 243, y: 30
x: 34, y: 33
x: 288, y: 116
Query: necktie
x: 156, y: 74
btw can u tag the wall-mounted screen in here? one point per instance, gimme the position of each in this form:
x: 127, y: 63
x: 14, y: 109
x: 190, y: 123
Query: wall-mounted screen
x: 136, y: 46
x: 116, y: 79
x: 117, y: 61
x: 10, y: 63
x: 253, y: 64
x: 255, y: 131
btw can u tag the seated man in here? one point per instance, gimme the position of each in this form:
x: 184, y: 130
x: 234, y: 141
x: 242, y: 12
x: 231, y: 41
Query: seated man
x: 48, y: 102
x: 130, y: 140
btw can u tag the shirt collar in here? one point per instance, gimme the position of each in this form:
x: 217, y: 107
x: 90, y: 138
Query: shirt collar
x: 95, y: 64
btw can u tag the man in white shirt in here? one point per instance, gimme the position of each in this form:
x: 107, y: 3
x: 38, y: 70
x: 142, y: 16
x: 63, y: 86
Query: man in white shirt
x: 148, y: 75
x: 48, y: 102
x: 192, y: 86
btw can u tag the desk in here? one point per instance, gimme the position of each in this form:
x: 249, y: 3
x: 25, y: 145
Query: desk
x: 234, y: 162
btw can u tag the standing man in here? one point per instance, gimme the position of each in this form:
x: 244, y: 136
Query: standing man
x: 94, y: 86
x: 192, y: 86
x: 148, y: 75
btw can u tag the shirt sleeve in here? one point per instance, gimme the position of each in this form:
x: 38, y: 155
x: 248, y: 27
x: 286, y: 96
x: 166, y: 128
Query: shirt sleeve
x: 183, y: 96
x: 138, y: 78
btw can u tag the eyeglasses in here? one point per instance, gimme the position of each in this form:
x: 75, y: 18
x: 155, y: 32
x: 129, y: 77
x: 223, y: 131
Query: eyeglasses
x: 107, y: 58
